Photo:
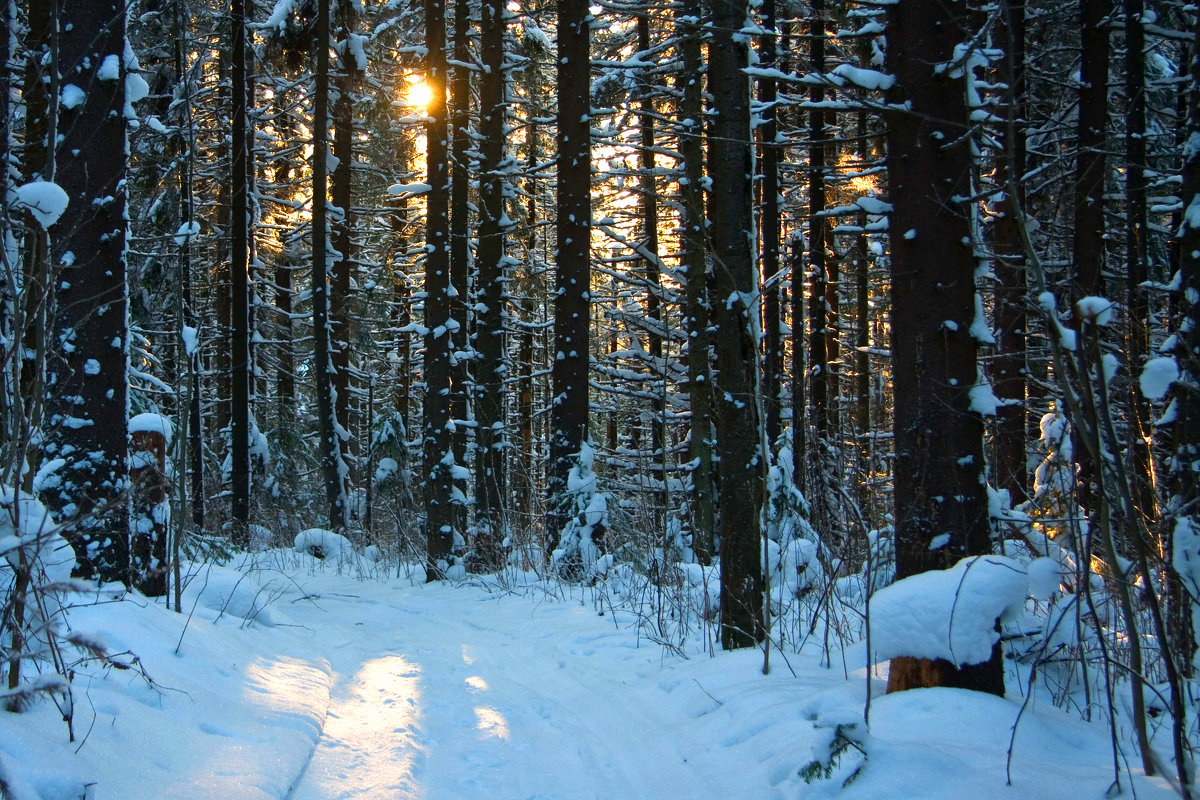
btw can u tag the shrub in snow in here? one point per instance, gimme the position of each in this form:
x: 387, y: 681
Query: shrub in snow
x: 39, y: 562
x: 228, y: 592
x: 320, y: 543
x: 838, y: 747
x: 579, y: 555
x: 793, y: 552
x: 260, y: 538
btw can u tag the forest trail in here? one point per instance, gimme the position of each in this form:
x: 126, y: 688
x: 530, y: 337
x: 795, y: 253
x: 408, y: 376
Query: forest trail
x: 435, y: 699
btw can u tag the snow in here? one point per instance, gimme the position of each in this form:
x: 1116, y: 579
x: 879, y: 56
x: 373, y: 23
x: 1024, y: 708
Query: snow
x: 45, y: 200
x: 71, y: 96
x: 190, y: 339
x: 320, y: 543
x: 384, y: 687
x: 408, y: 189
x: 1097, y: 309
x: 186, y: 230
x: 1157, y: 376
x: 110, y: 68
x: 155, y: 423
x: 868, y: 79
x: 948, y: 614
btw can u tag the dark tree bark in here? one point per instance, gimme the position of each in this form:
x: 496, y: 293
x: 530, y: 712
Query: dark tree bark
x: 460, y: 234
x: 940, y: 505
x: 341, y: 269
x: 572, y: 307
x: 770, y: 226
x: 184, y: 143
x: 37, y: 160
x: 796, y: 269
x: 1182, y: 516
x: 239, y: 277
x: 650, y: 261
x: 86, y: 394
x: 1136, y: 256
x: 490, y: 474
x: 819, y: 284
x: 1009, y: 373
x: 440, y: 516
x: 689, y: 118
x: 330, y: 444
x: 1090, y: 161
x: 731, y: 227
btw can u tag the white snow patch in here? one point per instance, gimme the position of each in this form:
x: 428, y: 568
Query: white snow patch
x: 1157, y: 376
x: 45, y: 200
x: 949, y: 614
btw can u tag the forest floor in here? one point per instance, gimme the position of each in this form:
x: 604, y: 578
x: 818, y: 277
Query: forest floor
x: 298, y: 681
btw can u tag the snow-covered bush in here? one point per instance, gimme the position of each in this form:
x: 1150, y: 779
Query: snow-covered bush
x: 39, y: 563
x: 793, y: 553
x: 579, y: 555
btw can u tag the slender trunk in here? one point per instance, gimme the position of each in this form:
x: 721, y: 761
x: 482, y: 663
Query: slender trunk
x: 460, y: 268
x: 330, y: 449
x: 731, y: 227
x: 440, y: 513
x: 1009, y: 373
x: 572, y: 307
x: 490, y: 474
x: 1136, y: 256
x: 650, y: 264
x: 341, y: 268
x: 695, y: 267
x: 769, y: 226
x: 239, y: 276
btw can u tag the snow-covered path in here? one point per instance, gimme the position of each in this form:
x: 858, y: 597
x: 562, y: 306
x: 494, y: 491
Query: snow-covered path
x: 431, y: 705
x: 300, y: 682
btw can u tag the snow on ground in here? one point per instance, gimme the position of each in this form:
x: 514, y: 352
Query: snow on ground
x: 342, y: 687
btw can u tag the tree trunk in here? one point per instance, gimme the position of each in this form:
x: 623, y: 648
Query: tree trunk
x: 940, y: 504
x: 770, y: 227
x: 86, y: 396
x: 330, y: 443
x: 572, y: 309
x: 440, y: 517
x: 731, y: 227
x: 490, y: 474
x: 239, y: 277
x: 460, y: 233
x: 1009, y: 373
x: 695, y: 268
x: 341, y: 269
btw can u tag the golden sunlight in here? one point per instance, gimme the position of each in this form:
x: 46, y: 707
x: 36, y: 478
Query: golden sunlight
x: 418, y: 94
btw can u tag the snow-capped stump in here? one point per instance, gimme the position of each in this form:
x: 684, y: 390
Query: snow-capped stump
x: 948, y: 614
x: 150, y: 436
x: 320, y: 543
x: 147, y: 426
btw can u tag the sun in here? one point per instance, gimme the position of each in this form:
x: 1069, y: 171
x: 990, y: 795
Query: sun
x: 418, y: 94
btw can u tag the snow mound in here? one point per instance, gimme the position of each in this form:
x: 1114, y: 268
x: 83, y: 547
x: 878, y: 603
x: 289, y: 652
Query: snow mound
x: 228, y: 592
x: 320, y: 543
x: 949, y: 614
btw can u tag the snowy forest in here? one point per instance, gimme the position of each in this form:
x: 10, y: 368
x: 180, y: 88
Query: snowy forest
x: 856, y: 339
